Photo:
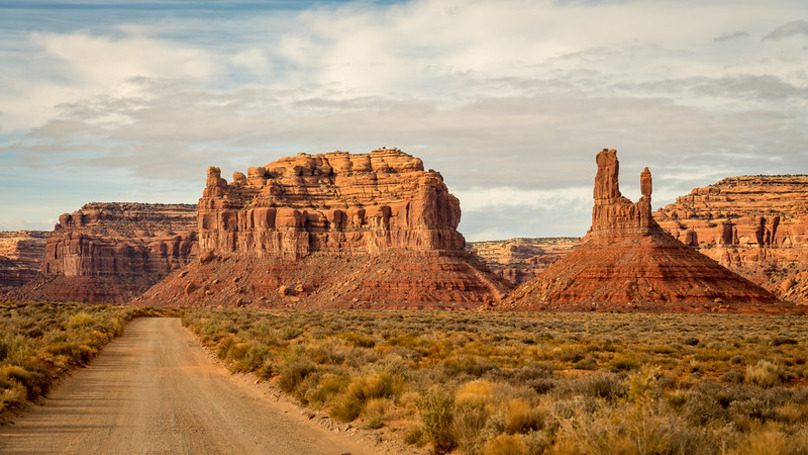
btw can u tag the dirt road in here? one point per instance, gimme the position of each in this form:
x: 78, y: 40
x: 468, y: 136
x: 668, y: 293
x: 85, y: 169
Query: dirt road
x: 154, y: 390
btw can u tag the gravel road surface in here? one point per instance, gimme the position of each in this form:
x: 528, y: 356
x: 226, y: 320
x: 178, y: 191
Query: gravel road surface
x: 154, y: 390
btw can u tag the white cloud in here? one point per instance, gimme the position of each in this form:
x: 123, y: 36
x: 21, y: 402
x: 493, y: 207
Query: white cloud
x: 509, y: 99
x: 482, y: 199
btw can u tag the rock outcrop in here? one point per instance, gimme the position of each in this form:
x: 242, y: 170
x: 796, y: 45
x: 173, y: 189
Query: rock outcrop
x: 334, y: 229
x: 112, y: 252
x: 520, y: 260
x: 627, y: 262
x: 21, y: 254
x: 756, y: 226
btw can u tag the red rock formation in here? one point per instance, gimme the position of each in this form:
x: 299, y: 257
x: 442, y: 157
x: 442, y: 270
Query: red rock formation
x: 756, y: 226
x: 21, y: 254
x: 335, y: 229
x: 522, y: 259
x: 111, y: 252
x: 627, y: 262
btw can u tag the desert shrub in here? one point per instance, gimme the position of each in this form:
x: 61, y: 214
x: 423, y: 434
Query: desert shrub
x: 247, y: 356
x: 606, y: 386
x: 294, y: 371
x: 475, y: 392
x: 437, y: 407
x: 631, y: 430
x: 765, y: 374
x: 706, y: 403
x: 359, y: 340
x: 40, y: 341
x: 643, y: 384
x: 329, y: 386
x: 469, y: 365
x: 522, y: 417
x: 80, y: 320
x: 585, y: 364
x: 414, y: 436
x: 505, y: 444
x: 781, y: 340
x: 733, y: 377
x: 623, y: 365
x: 558, y: 383
x: 468, y: 421
x: 375, y: 412
x: 361, y: 389
x: 770, y: 440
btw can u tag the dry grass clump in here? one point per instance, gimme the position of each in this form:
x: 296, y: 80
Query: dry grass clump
x: 477, y: 383
x: 40, y: 341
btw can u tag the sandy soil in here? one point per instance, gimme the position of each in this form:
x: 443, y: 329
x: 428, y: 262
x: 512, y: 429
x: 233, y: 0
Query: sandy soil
x: 154, y: 390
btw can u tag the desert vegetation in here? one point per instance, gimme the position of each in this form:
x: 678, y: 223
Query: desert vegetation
x: 479, y: 383
x: 41, y: 341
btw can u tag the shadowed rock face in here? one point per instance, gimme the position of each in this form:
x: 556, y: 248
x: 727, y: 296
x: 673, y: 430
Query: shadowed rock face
x: 334, y: 229
x: 21, y: 255
x: 111, y: 252
x: 520, y: 260
x: 754, y: 225
x: 628, y: 262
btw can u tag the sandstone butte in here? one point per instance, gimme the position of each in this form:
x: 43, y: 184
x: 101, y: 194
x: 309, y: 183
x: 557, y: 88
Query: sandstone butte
x: 627, y: 262
x: 754, y: 225
x: 520, y: 260
x: 330, y: 230
x: 112, y: 252
x: 21, y: 254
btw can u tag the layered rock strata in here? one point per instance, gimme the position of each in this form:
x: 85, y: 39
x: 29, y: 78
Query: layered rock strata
x: 334, y: 229
x: 520, y: 260
x: 21, y: 254
x: 627, y: 262
x: 754, y: 225
x: 112, y: 252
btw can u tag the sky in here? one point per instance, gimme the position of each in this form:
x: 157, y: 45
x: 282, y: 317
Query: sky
x: 508, y: 99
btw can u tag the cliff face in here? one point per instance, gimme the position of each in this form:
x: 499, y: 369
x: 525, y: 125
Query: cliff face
x: 627, y: 262
x: 335, y: 202
x: 21, y: 255
x: 111, y: 252
x: 754, y: 225
x: 522, y: 259
x: 334, y: 229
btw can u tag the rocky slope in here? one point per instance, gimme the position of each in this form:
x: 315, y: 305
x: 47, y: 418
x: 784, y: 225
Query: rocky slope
x: 334, y: 229
x: 754, y: 225
x: 627, y: 262
x: 521, y: 259
x: 111, y: 252
x: 21, y: 254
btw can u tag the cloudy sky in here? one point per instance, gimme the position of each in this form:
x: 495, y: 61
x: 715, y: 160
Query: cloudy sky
x: 509, y: 99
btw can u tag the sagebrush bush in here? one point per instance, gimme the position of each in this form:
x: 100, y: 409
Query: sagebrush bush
x: 538, y: 383
x: 40, y: 341
x: 437, y: 415
x: 293, y: 371
x: 505, y: 444
x: 522, y: 417
x: 764, y: 373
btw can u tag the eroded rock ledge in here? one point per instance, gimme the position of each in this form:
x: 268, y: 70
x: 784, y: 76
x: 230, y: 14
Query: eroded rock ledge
x: 334, y: 229
x: 627, y: 262
x: 112, y: 252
